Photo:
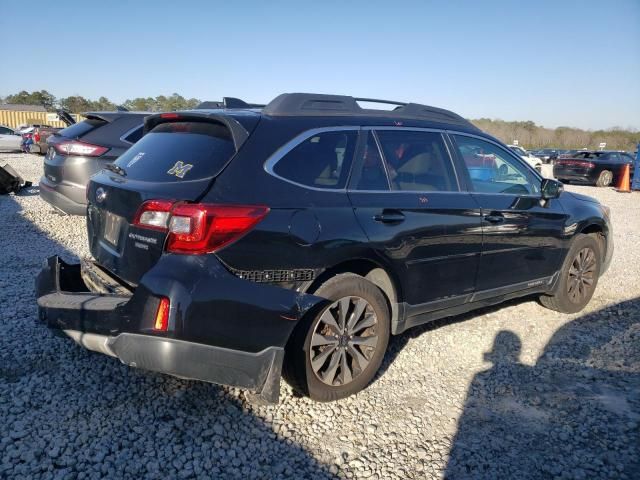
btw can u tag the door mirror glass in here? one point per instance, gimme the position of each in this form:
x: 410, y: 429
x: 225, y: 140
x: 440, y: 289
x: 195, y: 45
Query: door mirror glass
x: 551, y: 188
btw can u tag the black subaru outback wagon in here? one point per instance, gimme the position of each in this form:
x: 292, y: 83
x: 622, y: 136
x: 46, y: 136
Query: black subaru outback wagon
x: 237, y: 245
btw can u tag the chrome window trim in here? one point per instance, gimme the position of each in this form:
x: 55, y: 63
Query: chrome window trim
x: 271, y: 162
x: 129, y: 132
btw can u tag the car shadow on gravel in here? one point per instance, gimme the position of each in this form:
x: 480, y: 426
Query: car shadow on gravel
x: 69, y: 413
x: 575, y: 414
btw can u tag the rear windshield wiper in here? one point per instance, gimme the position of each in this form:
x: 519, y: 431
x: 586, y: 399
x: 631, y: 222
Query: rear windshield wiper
x: 116, y: 169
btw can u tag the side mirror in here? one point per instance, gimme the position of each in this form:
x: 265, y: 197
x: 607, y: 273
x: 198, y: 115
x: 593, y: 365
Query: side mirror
x: 551, y: 188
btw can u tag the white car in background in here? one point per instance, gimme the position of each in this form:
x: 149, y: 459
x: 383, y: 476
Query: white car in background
x: 532, y: 160
x: 9, y: 139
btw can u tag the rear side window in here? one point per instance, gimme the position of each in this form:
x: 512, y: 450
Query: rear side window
x: 179, y: 151
x: 321, y: 161
x: 417, y: 161
x: 79, y: 129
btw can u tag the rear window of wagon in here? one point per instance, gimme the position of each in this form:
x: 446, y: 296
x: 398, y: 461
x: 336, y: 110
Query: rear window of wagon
x: 179, y: 151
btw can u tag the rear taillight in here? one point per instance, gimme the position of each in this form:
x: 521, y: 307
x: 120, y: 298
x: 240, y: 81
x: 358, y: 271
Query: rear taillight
x: 36, y: 137
x: 74, y: 147
x: 161, y: 322
x: 203, y: 228
x: 197, y: 228
x: 576, y: 163
x: 154, y: 214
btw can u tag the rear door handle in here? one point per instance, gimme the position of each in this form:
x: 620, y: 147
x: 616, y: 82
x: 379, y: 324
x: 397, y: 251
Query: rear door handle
x: 389, y: 217
x: 494, y: 218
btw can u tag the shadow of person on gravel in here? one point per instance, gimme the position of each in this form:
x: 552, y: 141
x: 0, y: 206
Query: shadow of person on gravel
x: 69, y: 413
x: 575, y: 414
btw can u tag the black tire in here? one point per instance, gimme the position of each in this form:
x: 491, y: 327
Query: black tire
x: 604, y: 179
x: 298, y: 370
x: 576, y: 269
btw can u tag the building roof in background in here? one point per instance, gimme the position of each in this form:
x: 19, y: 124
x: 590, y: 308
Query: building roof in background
x: 22, y: 108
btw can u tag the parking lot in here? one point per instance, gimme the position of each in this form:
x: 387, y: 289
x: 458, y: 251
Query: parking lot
x: 514, y: 391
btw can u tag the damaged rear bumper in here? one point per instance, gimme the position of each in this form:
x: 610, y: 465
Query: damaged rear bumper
x: 258, y: 371
x: 203, y: 341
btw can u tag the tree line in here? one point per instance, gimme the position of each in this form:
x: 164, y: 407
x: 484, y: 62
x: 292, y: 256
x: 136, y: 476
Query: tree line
x: 79, y: 104
x: 528, y: 134
x: 532, y: 136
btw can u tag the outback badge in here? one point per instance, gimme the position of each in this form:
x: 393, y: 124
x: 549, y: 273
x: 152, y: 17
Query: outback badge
x: 180, y: 169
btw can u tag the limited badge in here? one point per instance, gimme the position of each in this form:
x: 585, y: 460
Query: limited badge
x: 180, y: 169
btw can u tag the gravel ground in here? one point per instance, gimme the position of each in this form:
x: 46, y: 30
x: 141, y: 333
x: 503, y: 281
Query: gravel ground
x: 515, y: 391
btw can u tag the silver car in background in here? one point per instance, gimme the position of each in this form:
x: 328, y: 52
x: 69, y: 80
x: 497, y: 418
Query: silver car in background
x: 10, y: 140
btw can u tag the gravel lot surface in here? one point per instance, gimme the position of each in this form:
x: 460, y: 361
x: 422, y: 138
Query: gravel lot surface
x: 515, y: 391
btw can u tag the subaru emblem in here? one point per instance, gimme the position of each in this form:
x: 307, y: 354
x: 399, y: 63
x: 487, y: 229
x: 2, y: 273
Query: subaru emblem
x: 101, y: 194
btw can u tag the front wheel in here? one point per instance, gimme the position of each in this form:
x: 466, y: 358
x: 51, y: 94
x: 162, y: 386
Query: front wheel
x: 578, y: 277
x: 336, y: 351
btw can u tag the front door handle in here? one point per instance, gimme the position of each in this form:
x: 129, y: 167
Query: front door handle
x: 494, y: 218
x: 389, y: 217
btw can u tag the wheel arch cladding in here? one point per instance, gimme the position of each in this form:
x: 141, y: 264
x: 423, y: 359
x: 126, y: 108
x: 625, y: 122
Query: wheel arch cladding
x: 371, y: 271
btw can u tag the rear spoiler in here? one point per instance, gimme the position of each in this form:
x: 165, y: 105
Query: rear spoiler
x: 65, y: 117
x: 238, y: 132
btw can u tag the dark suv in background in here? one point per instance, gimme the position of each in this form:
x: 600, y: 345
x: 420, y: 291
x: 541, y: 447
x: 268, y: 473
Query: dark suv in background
x: 594, y: 167
x: 235, y: 243
x: 77, y: 152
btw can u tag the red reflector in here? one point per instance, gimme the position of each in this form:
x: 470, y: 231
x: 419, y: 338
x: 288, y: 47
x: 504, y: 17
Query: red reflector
x: 162, y: 315
x: 204, y: 228
x: 169, y: 115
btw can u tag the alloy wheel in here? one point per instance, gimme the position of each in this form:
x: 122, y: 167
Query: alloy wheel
x: 344, y: 340
x: 581, y: 275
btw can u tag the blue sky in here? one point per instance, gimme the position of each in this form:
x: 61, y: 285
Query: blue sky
x: 573, y: 63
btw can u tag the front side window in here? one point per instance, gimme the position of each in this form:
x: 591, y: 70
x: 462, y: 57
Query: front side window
x: 493, y: 170
x: 417, y: 161
x: 321, y: 161
x: 5, y: 131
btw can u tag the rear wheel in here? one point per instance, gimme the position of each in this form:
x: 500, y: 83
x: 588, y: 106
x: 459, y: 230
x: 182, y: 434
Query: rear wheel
x: 604, y: 179
x: 578, y: 277
x: 336, y: 351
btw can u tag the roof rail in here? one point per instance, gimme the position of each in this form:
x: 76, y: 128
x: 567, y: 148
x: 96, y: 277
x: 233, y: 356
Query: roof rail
x: 311, y: 104
x: 227, y: 102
